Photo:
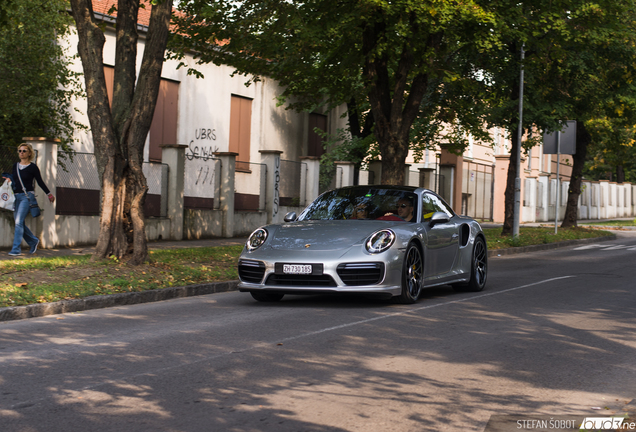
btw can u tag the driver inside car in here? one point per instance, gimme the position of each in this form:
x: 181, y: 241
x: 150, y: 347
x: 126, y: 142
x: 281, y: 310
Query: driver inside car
x: 405, y: 209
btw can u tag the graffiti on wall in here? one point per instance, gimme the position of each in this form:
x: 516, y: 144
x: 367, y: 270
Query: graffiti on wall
x: 276, y: 185
x: 199, y: 148
x: 200, y: 164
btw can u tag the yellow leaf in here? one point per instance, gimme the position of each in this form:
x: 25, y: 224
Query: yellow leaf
x: 22, y: 284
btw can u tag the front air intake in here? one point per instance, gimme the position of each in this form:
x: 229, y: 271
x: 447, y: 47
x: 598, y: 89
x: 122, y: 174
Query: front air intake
x: 356, y: 274
x: 251, y: 271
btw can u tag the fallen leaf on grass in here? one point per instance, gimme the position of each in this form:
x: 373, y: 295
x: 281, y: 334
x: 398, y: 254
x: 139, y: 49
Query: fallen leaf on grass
x: 21, y: 284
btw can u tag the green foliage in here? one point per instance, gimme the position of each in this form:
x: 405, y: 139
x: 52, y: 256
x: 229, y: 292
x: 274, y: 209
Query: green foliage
x: 396, y: 58
x: 37, y: 85
x: 4, y: 15
x: 457, y: 62
x: 614, y: 151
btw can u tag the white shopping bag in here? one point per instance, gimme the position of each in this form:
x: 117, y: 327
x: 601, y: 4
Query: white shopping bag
x: 6, y: 196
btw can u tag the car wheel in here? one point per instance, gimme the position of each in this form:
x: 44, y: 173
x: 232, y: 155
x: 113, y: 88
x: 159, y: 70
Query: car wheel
x: 267, y: 296
x: 412, y: 276
x: 479, y: 268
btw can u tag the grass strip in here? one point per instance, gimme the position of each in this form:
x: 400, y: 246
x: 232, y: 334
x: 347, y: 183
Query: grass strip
x: 539, y: 235
x: 631, y: 222
x: 43, y: 280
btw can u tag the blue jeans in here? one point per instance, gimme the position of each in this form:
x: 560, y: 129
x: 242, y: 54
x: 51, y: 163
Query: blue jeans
x: 20, y: 212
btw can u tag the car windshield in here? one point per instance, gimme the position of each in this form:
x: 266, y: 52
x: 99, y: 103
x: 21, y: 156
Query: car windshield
x: 363, y: 203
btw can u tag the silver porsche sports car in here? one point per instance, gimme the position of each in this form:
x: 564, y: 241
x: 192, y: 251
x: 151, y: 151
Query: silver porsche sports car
x: 387, y: 241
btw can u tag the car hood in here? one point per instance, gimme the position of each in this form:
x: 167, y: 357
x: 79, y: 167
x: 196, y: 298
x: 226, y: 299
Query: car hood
x: 324, y: 235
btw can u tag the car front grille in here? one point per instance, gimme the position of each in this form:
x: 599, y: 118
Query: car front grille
x: 251, y: 271
x: 318, y: 281
x: 357, y: 274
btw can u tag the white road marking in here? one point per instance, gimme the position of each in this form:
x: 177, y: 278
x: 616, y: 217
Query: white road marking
x: 590, y: 246
x: 605, y: 247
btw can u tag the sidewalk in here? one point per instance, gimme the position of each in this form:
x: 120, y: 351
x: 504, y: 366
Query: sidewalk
x: 89, y: 249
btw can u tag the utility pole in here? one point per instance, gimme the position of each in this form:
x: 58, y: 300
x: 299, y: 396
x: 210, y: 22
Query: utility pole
x: 558, y: 187
x: 517, y: 207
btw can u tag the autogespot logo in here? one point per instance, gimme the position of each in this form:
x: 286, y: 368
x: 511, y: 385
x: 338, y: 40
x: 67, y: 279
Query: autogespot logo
x: 602, y: 423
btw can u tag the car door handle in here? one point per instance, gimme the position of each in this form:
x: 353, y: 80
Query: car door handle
x: 454, y: 236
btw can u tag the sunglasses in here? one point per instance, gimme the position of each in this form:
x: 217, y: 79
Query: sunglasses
x: 403, y: 205
x: 23, y: 151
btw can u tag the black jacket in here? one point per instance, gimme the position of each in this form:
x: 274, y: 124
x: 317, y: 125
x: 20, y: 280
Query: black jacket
x: 28, y: 174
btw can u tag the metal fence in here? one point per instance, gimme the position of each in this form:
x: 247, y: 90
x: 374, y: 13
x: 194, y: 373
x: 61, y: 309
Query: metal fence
x: 78, y: 187
x: 250, y: 182
x: 290, y: 182
x: 477, y: 190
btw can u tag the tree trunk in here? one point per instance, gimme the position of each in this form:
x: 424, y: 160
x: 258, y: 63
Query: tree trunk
x: 359, y: 131
x: 119, y: 135
x: 583, y: 138
x: 509, y: 195
x: 395, y: 99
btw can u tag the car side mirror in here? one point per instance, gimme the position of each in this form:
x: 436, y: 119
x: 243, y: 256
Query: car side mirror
x: 290, y: 217
x: 439, y: 217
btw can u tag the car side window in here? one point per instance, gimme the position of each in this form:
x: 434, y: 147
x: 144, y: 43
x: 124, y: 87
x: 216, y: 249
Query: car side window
x: 432, y: 204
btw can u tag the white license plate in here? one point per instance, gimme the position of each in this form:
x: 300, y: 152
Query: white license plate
x: 296, y: 269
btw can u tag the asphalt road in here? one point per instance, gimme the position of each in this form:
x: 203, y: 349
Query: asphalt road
x: 554, y: 333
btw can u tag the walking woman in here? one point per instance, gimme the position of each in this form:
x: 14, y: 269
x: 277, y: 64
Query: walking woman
x: 22, y: 176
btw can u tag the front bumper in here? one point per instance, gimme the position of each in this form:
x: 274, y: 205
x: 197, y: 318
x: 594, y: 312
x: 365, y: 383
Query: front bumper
x: 364, y: 275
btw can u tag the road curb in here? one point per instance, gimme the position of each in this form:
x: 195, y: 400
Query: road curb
x: 547, y: 246
x: 110, y: 300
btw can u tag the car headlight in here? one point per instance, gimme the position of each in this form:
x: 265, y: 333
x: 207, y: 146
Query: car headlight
x: 256, y: 239
x: 380, y: 241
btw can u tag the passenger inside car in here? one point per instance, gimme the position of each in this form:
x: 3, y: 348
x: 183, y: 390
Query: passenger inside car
x: 361, y: 211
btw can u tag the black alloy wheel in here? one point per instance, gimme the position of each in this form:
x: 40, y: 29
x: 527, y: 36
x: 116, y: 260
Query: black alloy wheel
x: 479, y: 270
x: 412, y: 276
